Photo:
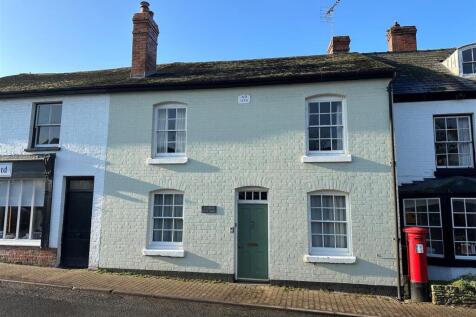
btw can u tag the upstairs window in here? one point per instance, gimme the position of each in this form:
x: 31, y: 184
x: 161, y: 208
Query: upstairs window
x: 170, y: 132
x: 326, y: 126
x: 453, y: 141
x: 469, y: 61
x: 47, y: 125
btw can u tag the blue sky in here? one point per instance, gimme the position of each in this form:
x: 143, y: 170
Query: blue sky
x: 65, y: 35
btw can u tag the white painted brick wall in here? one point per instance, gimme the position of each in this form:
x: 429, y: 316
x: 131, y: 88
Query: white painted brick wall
x: 257, y: 144
x: 83, y: 139
x: 414, y: 135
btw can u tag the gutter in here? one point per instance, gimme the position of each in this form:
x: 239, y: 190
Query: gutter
x: 395, y: 190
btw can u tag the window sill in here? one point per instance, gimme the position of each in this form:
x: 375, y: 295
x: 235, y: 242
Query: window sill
x: 167, y: 160
x: 329, y: 259
x: 173, y: 253
x: 20, y: 243
x: 43, y: 149
x: 327, y: 158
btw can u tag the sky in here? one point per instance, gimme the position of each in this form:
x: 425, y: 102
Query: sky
x: 50, y: 36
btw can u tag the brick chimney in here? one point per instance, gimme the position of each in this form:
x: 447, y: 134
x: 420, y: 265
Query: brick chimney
x: 144, y: 42
x: 339, y: 44
x: 401, y: 38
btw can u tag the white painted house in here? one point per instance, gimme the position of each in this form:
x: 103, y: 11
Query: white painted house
x: 56, y: 147
x: 434, y: 120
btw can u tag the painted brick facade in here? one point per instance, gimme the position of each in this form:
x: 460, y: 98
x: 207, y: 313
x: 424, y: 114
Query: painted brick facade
x: 414, y: 135
x: 83, y: 140
x: 232, y: 145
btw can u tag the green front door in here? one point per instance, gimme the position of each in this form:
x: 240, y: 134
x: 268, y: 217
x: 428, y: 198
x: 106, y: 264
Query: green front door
x: 253, y: 241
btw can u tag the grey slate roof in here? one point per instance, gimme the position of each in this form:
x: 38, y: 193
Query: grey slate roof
x: 202, y: 75
x: 422, y: 72
x: 418, y: 74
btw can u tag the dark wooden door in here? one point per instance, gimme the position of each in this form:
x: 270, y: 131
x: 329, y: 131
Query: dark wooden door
x: 77, y: 222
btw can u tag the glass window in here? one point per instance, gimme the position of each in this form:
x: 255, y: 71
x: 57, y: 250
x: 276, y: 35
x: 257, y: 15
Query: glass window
x: 464, y: 227
x: 170, y: 131
x: 325, y: 126
x: 426, y: 213
x: 167, y: 218
x: 453, y: 141
x: 469, y: 60
x: 47, y: 124
x: 21, y: 209
x: 253, y: 195
x: 329, y: 222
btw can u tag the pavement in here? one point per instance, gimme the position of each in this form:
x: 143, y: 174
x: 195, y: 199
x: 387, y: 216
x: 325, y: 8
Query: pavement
x: 241, y: 296
x: 38, y: 301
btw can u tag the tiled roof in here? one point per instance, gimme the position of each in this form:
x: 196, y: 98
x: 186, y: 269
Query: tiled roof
x: 202, y: 75
x: 422, y: 72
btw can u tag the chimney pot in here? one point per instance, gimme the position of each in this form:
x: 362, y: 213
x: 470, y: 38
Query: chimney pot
x: 339, y: 44
x: 144, y: 43
x: 401, y: 38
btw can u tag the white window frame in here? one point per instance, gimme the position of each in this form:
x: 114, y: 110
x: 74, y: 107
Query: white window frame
x: 171, y: 156
x: 461, y: 257
x: 333, y: 155
x: 427, y: 227
x: 17, y: 241
x: 471, y: 140
x: 161, y: 245
x: 36, y: 126
x: 331, y: 252
x: 460, y: 59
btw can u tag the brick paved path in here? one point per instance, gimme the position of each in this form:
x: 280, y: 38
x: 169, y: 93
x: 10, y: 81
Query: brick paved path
x: 232, y: 293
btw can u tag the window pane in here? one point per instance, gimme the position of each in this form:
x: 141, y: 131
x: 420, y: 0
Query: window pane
x: 177, y: 236
x: 325, y: 133
x: 328, y: 228
x: 180, y: 143
x: 56, y: 114
x: 157, y: 235
x: 459, y: 220
x: 451, y: 123
x: 317, y: 241
x: 313, y: 120
x: 467, y: 56
x: 471, y: 220
x: 171, y: 147
x: 168, y: 199
x: 325, y: 107
x: 161, y: 119
x: 313, y: 133
x: 168, y: 211
x: 436, y: 234
x: 158, y: 199
x: 341, y: 242
x: 54, y: 135
x: 12, y: 218
x: 336, y: 106
x: 436, y: 247
x: 341, y: 228
x: 325, y: 144
x: 329, y: 241
x: 24, y: 229
x: 470, y: 205
x: 434, y: 219
x: 168, y: 224
x: 313, y: 145
x: 43, y: 135
x: 316, y: 214
x: 324, y: 119
x: 458, y: 205
x: 158, y: 211
x: 167, y: 236
x: 2, y: 220
x: 422, y: 219
x: 441, y: 135
x: 467, y: 68
x: 171, y: 125
x: 313, y: 107
x: 180, y: 123
x: 162, y: 142
x: 433, y: 205
x: 316, y: 228
x: 178, y: 211
x: 43, y: 114
x: 178, y: 224
x: 440, y: 123
x: 172, y: 113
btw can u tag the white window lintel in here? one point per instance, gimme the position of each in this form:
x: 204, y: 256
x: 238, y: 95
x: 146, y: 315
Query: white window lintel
x: 20, y: 242
x: 338, y: 259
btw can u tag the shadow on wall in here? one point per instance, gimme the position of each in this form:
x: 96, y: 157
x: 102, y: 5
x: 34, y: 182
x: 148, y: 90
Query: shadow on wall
x: 370, y: 269
x: 358, y: 164
x: 197, y: 260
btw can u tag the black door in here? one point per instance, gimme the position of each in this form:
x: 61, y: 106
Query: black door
x: 77, y: 222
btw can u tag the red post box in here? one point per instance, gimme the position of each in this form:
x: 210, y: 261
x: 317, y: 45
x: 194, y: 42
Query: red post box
x: 417, y: 264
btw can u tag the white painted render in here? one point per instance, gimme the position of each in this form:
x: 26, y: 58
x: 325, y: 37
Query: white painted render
x: 83, y: 139
x: 414, y: 135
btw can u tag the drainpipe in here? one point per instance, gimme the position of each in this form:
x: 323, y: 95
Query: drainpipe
x: 395, y: 190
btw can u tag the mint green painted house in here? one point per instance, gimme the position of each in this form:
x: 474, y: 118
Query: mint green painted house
x: 266, y: 170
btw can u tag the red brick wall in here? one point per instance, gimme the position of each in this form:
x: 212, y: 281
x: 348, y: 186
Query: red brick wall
x: 402, y: 38
x: 28, y: 255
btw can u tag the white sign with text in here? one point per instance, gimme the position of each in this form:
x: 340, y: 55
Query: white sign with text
x: 5, y: 169
x: 244, y: 99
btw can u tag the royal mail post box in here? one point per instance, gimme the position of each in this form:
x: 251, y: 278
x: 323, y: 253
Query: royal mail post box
x: 417, y: 263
